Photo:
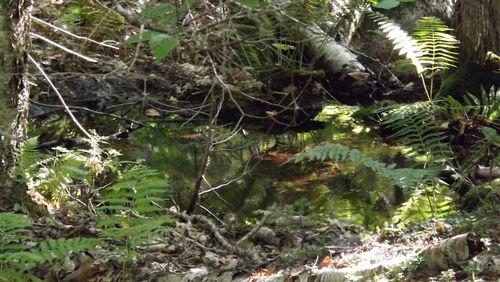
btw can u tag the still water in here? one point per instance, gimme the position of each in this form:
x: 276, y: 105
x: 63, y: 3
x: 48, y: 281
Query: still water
x: 249, y: 172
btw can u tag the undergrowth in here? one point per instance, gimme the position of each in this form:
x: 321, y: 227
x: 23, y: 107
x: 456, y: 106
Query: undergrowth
x: 19, y: 250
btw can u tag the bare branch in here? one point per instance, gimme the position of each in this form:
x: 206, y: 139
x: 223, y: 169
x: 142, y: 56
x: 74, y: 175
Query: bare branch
x: 66, y: 49
x: 72, y: 34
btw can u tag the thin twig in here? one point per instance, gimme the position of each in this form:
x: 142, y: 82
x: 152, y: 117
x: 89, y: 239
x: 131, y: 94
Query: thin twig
x: 64, y: 48
x: 72, y: 34
x: 254, y: 229
x: 84, y: 131
x: 137, y: 48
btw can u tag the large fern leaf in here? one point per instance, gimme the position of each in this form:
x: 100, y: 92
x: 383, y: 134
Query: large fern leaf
x: 135, y: 191
x: 436, y: 44
x: 16, y: 256
x: 401, y: 39
x: 126, y: 205
x: 416, y: 126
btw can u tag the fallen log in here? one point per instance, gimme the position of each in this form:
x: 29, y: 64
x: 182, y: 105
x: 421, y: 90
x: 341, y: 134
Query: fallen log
x: 453, y: 252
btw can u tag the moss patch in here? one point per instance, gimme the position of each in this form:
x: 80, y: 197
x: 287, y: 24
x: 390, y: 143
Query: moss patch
x: 469, y: 77
x: 404, y: 70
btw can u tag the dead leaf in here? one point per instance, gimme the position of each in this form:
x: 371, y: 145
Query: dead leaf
x: 152, y: 113
x: 326, y: 262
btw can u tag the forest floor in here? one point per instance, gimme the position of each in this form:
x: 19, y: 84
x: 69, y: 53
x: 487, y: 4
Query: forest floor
x: 291, y: 249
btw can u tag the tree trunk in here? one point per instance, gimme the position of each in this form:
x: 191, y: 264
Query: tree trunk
x: 14, y: 86
x: 478, y: 26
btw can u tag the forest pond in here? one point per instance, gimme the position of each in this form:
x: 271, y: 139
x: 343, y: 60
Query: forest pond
x: 249, y: 172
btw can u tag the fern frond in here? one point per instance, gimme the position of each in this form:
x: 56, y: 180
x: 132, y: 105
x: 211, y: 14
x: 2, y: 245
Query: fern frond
x: 136, y: 230
x: 416, y: 126
x: 424, y: 203
x: 127, y: 201
x: 401, y: 39
x: 28, y: 155
x: 436, y: 44
x: 488, y: 104
x: 16, y: 275
x: 135, y: 191
x: 13, y: 230
x: 15, y: 256
x: 405, y: 177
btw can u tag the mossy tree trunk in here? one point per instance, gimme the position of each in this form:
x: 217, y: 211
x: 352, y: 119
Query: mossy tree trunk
x: 14, y: 86
x: 478, y: 26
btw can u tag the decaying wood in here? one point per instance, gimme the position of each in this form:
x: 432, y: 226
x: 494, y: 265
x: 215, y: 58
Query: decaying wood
x: 334, y: 56
x: 453, y: 252
x: 483, y: 172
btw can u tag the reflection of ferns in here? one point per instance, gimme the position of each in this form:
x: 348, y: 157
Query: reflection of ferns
x: 416, y: 126
x: 15, y: 257
x: 404, y: 177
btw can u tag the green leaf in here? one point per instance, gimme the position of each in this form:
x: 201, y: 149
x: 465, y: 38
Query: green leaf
x: 387, y: 4
x: 161, y: 45
x: 491, y: 134
x: 158, y: 10
x: 250, y: 3
x: 146, y: 35
x: 283, y: 47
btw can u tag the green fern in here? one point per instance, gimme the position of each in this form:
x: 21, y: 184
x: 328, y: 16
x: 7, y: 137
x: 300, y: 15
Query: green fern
x: 487, y: 105
x: 126, y: 204
x: 401, y: 39
x: 27, y: 155
x: 13, y: 228
x: 403, y: 177
x: 64, y: 174
x: 416, y: 126
x: 436, y: 44
x: 135, y: 191
x: 16, y: 256
x: 425, y: 202
x: 430, y: 49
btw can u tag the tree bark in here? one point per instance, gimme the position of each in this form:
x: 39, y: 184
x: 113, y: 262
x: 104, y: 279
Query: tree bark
x: 478, y: 27
x: 14, y: 86
x: 7, y: 111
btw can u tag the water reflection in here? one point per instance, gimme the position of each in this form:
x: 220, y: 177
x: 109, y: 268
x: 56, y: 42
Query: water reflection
x: 248, y: 172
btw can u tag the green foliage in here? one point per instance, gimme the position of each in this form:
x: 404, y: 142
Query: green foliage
x: 164, y: 16
x: 487, y: 104
x: 28, y: 155
x: 388, y: 4
x: 425, y: 202
x: 64, y: 174
x: 15, y: 255
x: 90, y: 20
x: 417, y: 126
x: 404, y: 177
x: 124, y: 207
x: 430, y: 49
x: 160, y: 44
x: 436, y: 44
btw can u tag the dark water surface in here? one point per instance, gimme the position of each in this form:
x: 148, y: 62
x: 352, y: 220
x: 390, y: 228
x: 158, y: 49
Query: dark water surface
x: 248, y: 173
